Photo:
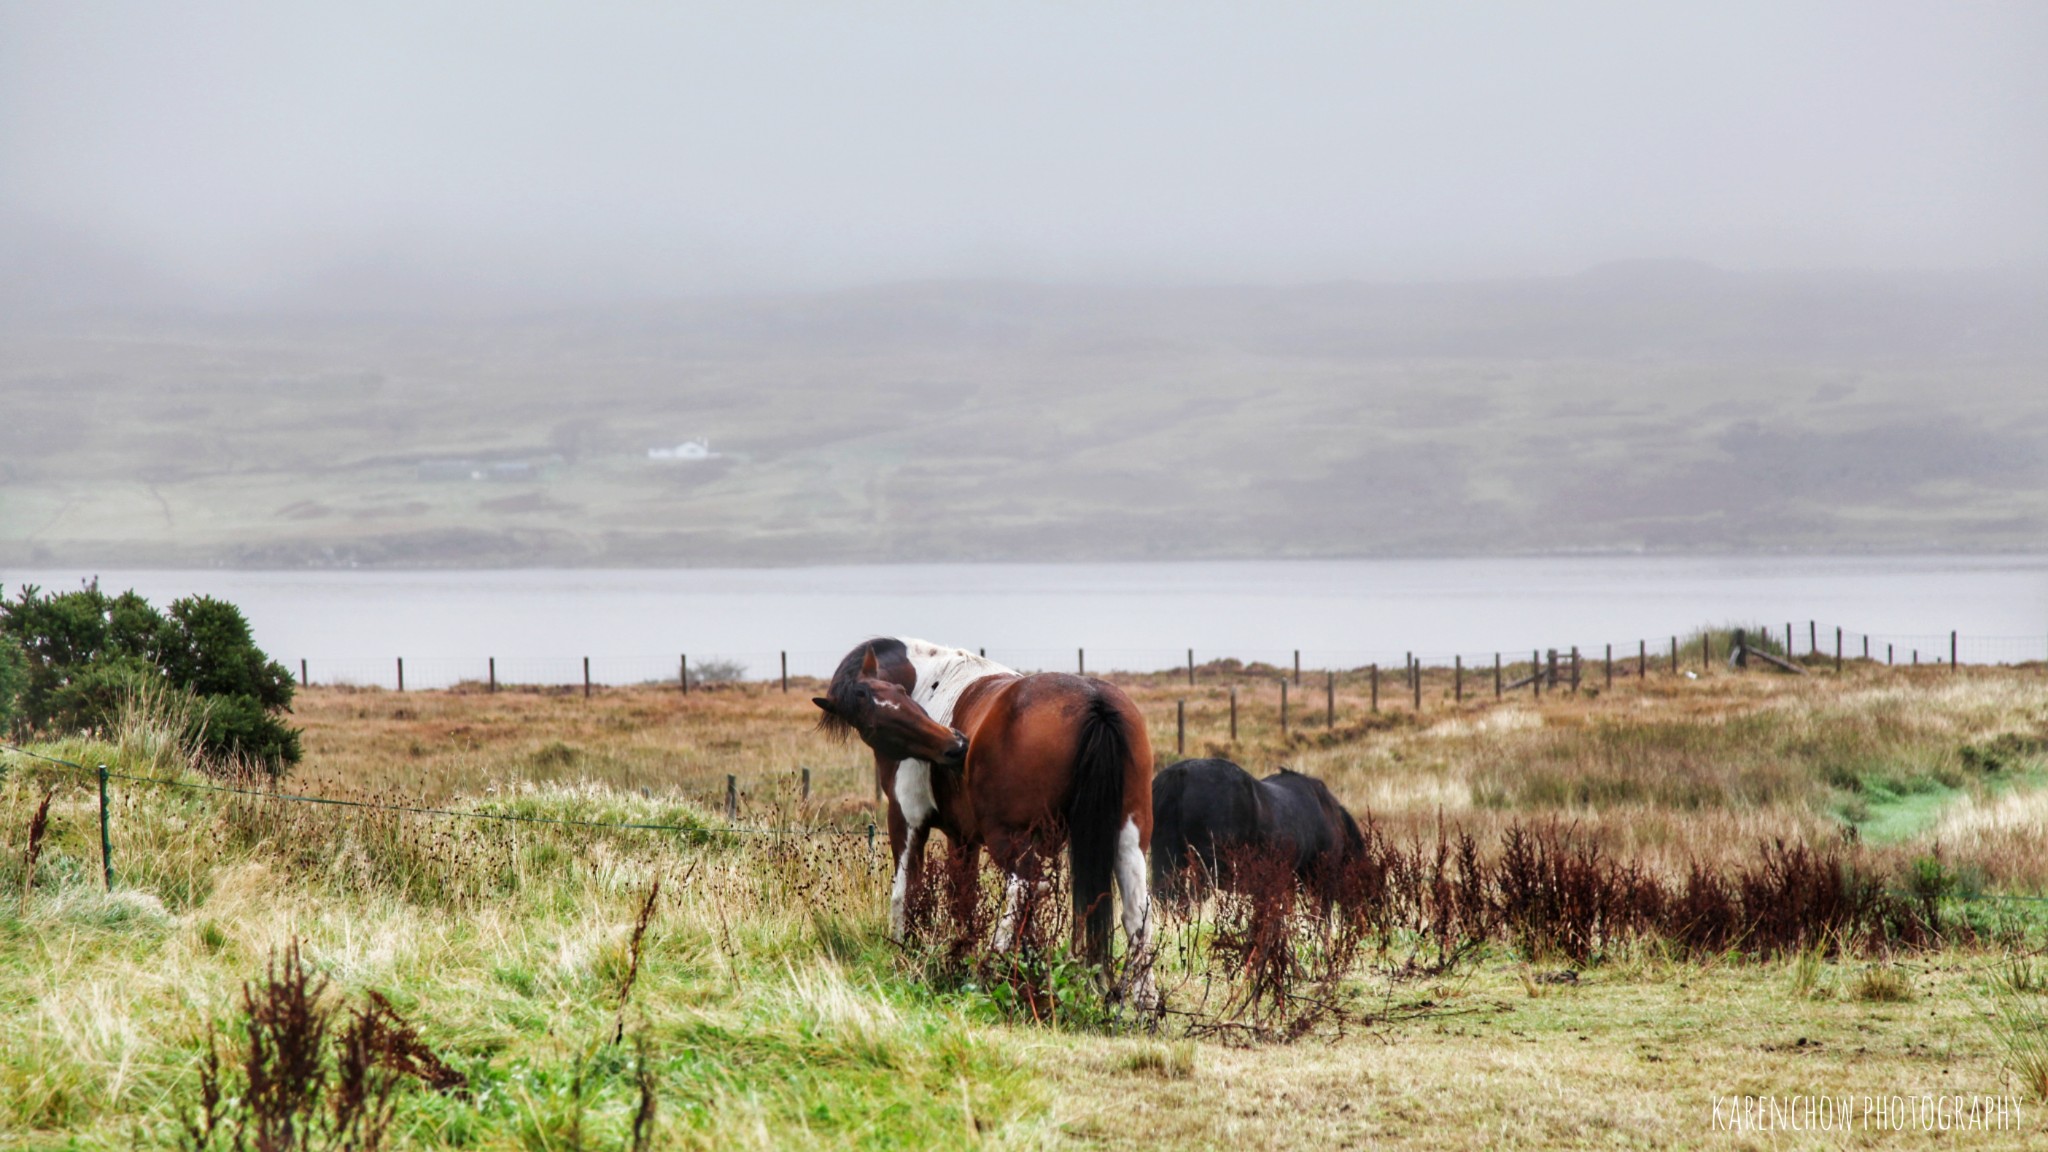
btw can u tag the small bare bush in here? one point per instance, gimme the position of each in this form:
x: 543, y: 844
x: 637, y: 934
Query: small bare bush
x: 293, y: 1091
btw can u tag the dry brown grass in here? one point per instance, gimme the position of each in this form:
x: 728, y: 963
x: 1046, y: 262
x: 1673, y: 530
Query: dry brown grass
x: 1666, y: 769
x: 510, y: 937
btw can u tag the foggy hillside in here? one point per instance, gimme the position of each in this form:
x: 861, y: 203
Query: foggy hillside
x: 1658, y: 405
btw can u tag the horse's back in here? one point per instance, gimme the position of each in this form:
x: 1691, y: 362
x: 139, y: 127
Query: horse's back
x: 1307, y: 815
x: 1026, y: 733
x: 1202, y: 809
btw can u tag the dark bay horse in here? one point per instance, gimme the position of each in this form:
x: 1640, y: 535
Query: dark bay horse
x: 1205, y: 811
x: 1019, y: 764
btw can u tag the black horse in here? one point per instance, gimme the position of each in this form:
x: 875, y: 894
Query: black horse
x: 1205, y: 812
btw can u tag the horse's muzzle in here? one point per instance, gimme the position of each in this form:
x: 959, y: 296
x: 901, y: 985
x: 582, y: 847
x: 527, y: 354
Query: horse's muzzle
x: 957, y: 754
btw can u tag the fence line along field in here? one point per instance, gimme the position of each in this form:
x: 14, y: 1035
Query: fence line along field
x: 583, y: 987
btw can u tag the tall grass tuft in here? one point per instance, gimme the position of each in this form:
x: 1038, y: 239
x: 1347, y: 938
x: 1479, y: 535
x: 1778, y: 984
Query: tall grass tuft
x: 2021, y: 1027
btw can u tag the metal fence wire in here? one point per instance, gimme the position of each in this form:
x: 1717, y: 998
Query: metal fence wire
x: 1800, y: 639
x: 105, y: 774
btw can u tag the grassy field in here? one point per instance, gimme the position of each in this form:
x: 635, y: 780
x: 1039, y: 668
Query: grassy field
x: 763, y: 1006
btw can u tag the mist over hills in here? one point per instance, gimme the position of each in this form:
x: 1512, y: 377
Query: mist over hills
x: 1648, y: 405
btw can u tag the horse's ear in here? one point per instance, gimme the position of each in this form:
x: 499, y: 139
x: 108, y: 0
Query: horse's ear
x: 824, y: 705
x: 869, y: 669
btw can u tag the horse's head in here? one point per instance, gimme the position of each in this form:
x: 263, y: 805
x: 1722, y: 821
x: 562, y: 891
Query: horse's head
x: 888, y: 720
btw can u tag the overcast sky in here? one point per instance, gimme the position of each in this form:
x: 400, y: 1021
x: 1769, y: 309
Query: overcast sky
x: 264, y: 152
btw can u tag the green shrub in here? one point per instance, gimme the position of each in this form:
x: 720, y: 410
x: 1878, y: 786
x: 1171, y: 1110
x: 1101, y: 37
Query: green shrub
x: 13, y: 680
x: 87, y: 654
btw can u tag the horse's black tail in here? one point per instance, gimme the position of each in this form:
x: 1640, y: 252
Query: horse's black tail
x: 1095, y: 819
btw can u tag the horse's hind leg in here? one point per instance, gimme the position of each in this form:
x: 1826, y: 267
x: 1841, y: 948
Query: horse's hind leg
x: 1130, y: 882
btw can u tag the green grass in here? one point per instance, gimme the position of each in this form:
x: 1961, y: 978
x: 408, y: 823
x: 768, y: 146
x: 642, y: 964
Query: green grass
x: 773, y: 1012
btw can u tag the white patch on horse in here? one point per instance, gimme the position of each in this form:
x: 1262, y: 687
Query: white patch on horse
x: 943, y: 674
x: 1006, y: 927
x: 899, y: 892
x: 1130, y: 881
x: 914, y: 792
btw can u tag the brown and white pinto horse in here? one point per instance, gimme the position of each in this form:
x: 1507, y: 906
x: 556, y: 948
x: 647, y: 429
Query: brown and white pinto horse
x: 1019, y: 764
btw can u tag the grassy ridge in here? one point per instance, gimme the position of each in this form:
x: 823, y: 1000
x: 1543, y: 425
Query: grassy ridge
x: 775, y: 1014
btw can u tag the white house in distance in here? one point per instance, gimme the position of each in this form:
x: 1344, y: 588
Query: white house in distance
x: 687, y: 450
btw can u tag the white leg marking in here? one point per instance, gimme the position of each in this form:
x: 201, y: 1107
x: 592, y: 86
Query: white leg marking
x: 1006, y: 927
x: 1131, y: 883
x: 899, y: 890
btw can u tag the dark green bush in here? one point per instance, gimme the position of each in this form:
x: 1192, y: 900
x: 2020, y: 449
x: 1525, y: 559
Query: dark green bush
x: 87, y: 654
x: 13, y: 680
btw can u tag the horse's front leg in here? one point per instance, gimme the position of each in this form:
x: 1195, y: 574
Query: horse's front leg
x: 909, y: 872
x: 1013, y: 901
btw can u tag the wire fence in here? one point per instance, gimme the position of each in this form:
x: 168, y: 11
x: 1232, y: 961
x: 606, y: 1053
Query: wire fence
x: 732, y: 826
x: 1803, y: 639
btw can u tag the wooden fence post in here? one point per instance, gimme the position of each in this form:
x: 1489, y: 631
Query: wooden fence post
x: 302, y: 672
x: 1536, y: 674
x: 1330, y: 699
x: 1575, y: 669
x: 1788, y: 639
x: 106, y: 838
x: 1674, y: 655
x: 586, y: 677
x: 1415, y: 678
x: 1233, y: 713
x: 1610, y: 666
x: 1283, y: 708
x: 1952, y: 665
x: 732, y: 798
x: 1297, y: 667
x: 1191, y: 667
x: 494, y: 673
x: 1180, y: 727
x: 1496, y: 675
x: 1458, y: 679
x: 1838, y: 649
x: 1642, y: 659
x: 1706, y: 650
x: 785, y: 673
x: 1375, y: 688
x: 1739, y: 653
x: 401, y: 673
x: 1887, y: 655
x: 1866, y: 645
x: 683, y: 672
x: 807, y: 785
x: 1080, y: 661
